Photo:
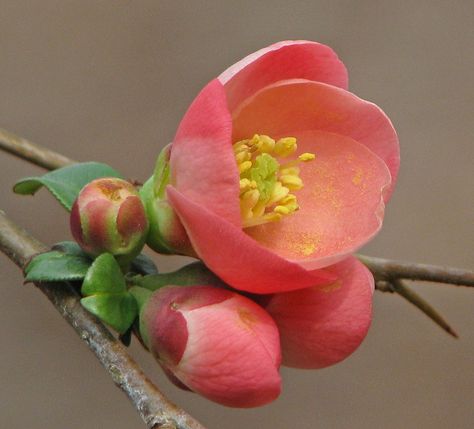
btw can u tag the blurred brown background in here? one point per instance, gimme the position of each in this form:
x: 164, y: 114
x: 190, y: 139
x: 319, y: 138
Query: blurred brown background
x: 109, y: 80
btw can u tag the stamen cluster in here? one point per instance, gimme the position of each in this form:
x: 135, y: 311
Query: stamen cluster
x: 265, y: 184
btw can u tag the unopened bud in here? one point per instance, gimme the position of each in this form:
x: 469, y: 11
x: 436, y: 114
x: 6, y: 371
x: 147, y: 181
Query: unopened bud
x: 108, y: 216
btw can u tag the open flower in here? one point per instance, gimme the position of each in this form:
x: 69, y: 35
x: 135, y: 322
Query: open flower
x: 320, y: 326
x: 214, y: 342
x: 276, y: 171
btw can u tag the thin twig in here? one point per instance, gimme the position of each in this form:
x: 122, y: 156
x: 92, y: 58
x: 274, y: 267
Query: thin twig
x: 400, y: 288
x: 154, y: 408
x: 386, y: 269
x: 31, y: 152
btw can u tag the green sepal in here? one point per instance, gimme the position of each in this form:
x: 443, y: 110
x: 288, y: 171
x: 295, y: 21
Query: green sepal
x: 155, y: 217
x: 118, y: 310
x: 141, y: 296
x: 106, y: 296
x: 66, y: 183
x: 161, y: 174
x: 56, y: 266
x: 104, y: 276
x: 189, y: 275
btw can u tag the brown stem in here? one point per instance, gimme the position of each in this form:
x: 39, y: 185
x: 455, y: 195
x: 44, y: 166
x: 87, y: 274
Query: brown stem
x: 154, y: 408
x: 400, y: 288
x: 386, y: 269
x: 31, y: 152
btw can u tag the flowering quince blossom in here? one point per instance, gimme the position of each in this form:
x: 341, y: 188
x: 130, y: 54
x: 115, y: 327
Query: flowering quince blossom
x: 214, y: 342
x: 275, y: 173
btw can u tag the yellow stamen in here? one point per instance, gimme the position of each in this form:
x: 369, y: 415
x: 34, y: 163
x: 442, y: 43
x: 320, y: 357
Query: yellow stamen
x: 292, y: 182
x: 265, y: 144
x: 306, y: 157
x: 245, y: 166
x: 285, y: 146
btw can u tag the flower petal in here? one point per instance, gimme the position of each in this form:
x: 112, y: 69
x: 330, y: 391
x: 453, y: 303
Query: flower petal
x: 284, y: 60
x: 321, y: 326
x: 341, y: 203
x: 291, y: 106
x: 235, y: 257
x: 202, y: 162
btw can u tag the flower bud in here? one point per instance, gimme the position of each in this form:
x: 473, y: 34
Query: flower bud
x: 108, y: 216
x: 214, y: 342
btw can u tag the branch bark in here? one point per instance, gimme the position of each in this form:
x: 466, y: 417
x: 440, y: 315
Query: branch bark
x: 399, y: 287
x: 31, y: 152
x: 154, y: 408
x: 386, y: 269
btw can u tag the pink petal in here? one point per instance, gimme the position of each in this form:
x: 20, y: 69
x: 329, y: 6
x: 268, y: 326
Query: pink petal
x: 202, y: 162
x: 321, y: 326
x: 341, y: 203
x: 289, y: 107
x: 283, y: 60
x: 235, y: 257
x: 233, y: 353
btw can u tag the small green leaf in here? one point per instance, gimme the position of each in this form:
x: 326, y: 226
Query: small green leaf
x: 143, y: 264
x: 65, y: 183
x: 117, y: 310
x: 104, y: 277
x: 56, y: 266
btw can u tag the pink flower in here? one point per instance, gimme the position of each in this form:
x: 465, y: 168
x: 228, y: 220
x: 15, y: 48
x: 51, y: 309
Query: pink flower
x: 237, y: 191
x: 214, y: 342
x: 320, y: 326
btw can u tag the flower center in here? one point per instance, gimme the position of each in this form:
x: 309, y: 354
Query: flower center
x: 265, y: 184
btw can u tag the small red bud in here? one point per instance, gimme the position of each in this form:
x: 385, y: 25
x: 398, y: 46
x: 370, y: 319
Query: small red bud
x: 108, y: 216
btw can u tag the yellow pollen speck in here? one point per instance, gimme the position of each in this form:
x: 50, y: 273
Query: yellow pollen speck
x: 357, y: 179
x: 304, y: 244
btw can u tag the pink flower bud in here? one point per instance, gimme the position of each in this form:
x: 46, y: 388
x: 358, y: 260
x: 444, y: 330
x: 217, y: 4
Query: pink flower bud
x: 215, y: 342
x: 108, y: 216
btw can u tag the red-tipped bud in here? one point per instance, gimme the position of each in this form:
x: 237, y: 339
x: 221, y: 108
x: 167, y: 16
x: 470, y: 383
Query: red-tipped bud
x: 108, y: 216
x: 215, y: 342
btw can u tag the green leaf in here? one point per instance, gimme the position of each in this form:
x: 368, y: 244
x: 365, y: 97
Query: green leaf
x: 117, y: 310
x: 104, y: 277
x: 143, y: 264
x: 65, y: 183
x: 105, y: 294
x: 56, y: 266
